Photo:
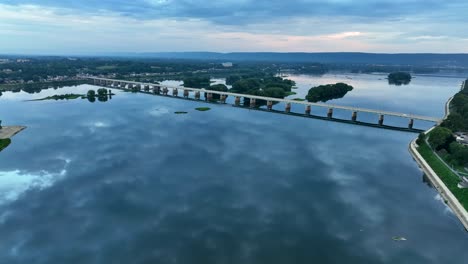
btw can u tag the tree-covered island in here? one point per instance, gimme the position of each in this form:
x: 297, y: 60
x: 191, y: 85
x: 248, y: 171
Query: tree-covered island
x: 399, y: 78
x: 323, y: 93
x: 267, y: 85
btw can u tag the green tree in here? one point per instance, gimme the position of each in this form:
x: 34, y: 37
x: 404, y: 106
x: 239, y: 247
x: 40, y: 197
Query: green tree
x: 440, y: 137
x: 102, y: 92
x: 275, y: 92
x: 399, y: 78
x: 327, y: 92
x: 421, y: 138
x: 91, y: 93
x: 218, y: 87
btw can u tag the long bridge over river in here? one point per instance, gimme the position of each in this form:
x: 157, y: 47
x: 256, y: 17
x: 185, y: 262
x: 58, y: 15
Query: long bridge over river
x: 168, y: 90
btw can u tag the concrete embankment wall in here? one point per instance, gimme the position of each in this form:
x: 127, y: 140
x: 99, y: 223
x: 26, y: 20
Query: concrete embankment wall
x: 446, y: 194
x: 440, y: 186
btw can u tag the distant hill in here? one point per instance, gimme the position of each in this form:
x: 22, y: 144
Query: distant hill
x: 442, y: 60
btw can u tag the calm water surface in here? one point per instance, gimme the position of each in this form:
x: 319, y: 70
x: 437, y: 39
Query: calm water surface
x: 128, y: 181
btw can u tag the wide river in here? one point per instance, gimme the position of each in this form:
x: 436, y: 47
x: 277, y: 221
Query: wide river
x: 129, y: 181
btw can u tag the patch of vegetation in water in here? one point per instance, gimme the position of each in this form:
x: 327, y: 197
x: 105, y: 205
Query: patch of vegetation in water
x: 180, y: 112
x: 299, y: 99
x: 60, y: 97
x: 4, y: 143
x: 202, y: 109
x: 290, y: 93
x: 327, y: 92
x: 399, y: 78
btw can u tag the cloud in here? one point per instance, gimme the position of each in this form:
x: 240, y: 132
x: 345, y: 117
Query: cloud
x: 14, y: 183
x: 248, y: 11
x: 90, y: 27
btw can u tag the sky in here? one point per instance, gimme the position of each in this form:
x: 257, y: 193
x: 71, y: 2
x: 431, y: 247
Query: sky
x: 107, y: 26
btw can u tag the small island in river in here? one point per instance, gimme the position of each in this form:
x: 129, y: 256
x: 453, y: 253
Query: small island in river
x: 61, y: 97
x: 399, y: 78
x: 323, y: 93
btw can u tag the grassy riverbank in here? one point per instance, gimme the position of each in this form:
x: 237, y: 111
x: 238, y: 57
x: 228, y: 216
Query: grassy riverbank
x: 445, y: 174
x: 4, y: 143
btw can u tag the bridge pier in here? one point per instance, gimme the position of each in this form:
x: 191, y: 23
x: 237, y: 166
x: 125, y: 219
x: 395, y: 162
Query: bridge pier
x: 252, y: 103
x: 411, y: 124
x: 330, y: 113
x: 381, y: 119
x: 237, y: 100
x: 354, y: 116
x: 222, y: 98
x: 175, y: 92
x: 287, y: 109
x: 209, y: 97
x: 269, y: 105
x: 165, y: 91
x: 156, y: 89
x: 308, y: 109
x: 197, y: 95
x: 186, y: 93
x: 147, y: 88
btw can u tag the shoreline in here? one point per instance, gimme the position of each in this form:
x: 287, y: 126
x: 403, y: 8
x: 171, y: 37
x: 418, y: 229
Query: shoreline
x: 10, y: 131
x: 449, y: 199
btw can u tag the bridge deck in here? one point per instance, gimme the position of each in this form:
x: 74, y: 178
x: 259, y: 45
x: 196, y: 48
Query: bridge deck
x: 356, y: 109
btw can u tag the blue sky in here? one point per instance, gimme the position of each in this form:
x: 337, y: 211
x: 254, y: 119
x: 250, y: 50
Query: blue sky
x: 85, y: 26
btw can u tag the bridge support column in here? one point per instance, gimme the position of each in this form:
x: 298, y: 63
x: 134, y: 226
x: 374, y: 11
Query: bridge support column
x: 354, y: 116
x: 381, y: 119
x: 156, y: 89
x: 269, y: 105
x: 330, y: 113
x: 186, y: 93
x: 146, y: 88
x: 114, y: 84
x: 308, y: 109
x: 197, y: 95
x: 138, y: 87
x: 165, y: 91
x: 95, y: 81
x: 209, y: 96
x: 287, y: 109
x: 237, y: 101
x: 252, y: 102
x: 175, y: 92
x: 222, y: 98
x: 411, y: 124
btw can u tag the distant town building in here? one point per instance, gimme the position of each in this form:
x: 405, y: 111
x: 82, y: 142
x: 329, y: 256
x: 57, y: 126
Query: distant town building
x: 22, y: 60
x: 227, y: 64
